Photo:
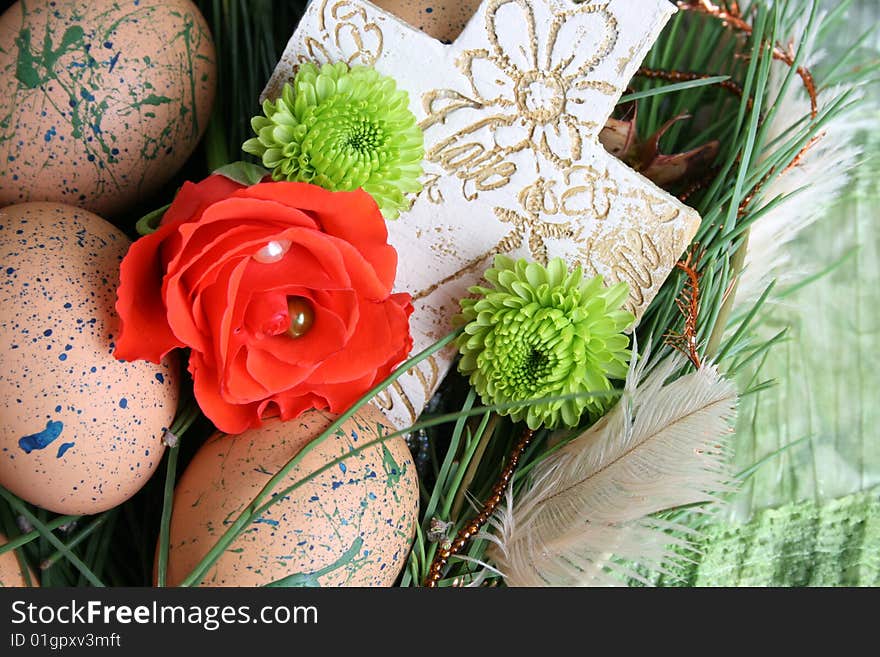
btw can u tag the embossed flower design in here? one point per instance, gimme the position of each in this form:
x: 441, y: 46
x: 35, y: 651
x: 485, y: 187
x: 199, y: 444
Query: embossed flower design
x: 539, y: 86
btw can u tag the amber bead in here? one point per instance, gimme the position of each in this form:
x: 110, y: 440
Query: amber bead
x: 302, y: 316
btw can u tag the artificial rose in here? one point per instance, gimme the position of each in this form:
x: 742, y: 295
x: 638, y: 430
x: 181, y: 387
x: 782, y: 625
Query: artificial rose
x: 219, y: 274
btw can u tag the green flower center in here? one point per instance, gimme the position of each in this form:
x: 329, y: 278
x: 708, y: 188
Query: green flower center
x: 531, y: 374
x: 536, y: 363
x: 345, y: 144
x: 528, y: 358
x: 365, y: 137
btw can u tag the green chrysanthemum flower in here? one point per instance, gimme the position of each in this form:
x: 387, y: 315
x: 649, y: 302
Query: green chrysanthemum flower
x: 342, y: 129
x: 544, y: 332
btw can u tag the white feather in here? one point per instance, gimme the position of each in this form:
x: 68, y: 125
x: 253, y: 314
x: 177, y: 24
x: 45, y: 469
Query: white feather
x: 811, y: 186
x: 587, y: 510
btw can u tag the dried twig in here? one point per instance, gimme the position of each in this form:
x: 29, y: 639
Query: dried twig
x: 689, y: 306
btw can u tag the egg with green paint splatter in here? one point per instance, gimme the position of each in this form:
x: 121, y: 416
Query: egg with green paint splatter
x: 13, y: 573
x: 101, y: 101
x: 352, y: 524
x: 81, y: 431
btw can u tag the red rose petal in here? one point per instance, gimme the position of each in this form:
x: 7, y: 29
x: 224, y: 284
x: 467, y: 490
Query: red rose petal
x: 312, y: 261
x: 364, y: 277
x: 242, y: 208
x: 223, y: 332
x: 229, y: 418
x: 239, y: 384
x: 335, y: 211
x: 211, y: 247
x: 404, y: 346
x: 339, y: 397
x: 345, y: 266
x: 187, y: 207
x: 193, y: 198
x: 276, y: 375
x: 178, y: 295
x: 378, y: 335
x: 291, y: 405
x: 267, y: 314
x: 144, y: 331
x: 342, y: 303
x: 216, y: 305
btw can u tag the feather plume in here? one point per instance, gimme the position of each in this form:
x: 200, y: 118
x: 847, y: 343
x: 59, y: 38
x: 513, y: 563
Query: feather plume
x: 811, y: 186
x: 587, y: 510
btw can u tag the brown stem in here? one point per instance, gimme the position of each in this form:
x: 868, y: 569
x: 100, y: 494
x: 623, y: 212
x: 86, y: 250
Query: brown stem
x: 464, y: 535
x: 689, y: 306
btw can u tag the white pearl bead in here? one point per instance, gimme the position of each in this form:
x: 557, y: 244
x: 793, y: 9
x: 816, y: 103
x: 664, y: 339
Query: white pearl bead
x: 272, y: 252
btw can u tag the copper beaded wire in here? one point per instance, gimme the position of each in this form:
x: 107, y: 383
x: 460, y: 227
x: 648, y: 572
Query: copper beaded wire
x: 689, y: 306
x: 441, y: 558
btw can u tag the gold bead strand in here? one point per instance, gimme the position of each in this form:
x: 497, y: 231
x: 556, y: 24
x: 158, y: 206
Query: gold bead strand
x: 467, y: 532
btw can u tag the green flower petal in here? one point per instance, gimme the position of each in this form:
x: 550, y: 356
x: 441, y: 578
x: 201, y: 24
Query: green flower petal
x: 343, y: 128
x: 544, y: 332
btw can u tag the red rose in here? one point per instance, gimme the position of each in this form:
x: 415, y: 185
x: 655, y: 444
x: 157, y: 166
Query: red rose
x: 225, y: 271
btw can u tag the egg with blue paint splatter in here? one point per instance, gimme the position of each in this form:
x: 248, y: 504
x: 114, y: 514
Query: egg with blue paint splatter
x: 13, y: 573
x: 351, y: 525
x: 443, y: 19
x: 81, y: 431
x: 101, y: 101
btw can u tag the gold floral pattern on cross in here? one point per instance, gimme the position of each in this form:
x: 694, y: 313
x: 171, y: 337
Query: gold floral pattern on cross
x: 537, y: 200
x: 531, y: 87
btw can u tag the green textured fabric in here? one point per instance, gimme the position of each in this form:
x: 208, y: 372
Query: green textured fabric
x: 803, y: 544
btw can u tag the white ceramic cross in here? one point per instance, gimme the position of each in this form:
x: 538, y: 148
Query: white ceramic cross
x: 511, y: 112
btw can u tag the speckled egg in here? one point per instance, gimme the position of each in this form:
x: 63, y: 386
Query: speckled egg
x: 101, y: 101
x: 442, y: 19
x: 81, y: 431
x: 350, y: 526
x: 11, y: 572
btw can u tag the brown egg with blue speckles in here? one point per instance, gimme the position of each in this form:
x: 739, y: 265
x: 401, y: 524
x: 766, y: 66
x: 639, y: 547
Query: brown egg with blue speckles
x: 11, y: 572
x: 352, y: 525
x: 81, y: 431
x: 441, y: 19
x: 101, y: 101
